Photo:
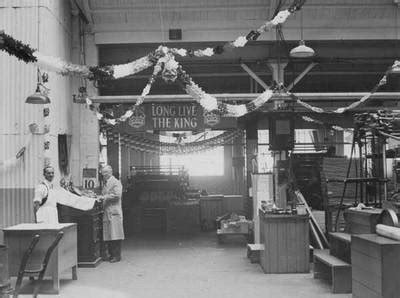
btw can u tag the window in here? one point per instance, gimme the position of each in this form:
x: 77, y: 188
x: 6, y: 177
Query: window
x: 205, y: 163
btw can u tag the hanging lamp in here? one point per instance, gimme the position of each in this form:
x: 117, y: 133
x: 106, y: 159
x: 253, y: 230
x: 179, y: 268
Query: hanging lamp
x: 38, y: 97
x: 302, y: 51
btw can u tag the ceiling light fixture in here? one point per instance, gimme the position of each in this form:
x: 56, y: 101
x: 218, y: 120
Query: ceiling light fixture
x: 39, y: 97
x: 302, y: 51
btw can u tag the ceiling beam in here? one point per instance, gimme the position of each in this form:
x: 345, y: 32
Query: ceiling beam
x: 301, y: 75
x: 254, y: 76
x: 245, y: 97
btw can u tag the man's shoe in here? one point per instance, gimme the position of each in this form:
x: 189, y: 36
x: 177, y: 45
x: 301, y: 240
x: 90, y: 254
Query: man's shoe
x: 115, y: 260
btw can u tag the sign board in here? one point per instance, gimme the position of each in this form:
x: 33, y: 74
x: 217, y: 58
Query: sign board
x: 175, y: 117
x: 89, y: 178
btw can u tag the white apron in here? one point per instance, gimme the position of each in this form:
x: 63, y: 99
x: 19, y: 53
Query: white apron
x: 47, y: 213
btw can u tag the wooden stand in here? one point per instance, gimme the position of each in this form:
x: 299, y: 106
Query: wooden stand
x: 286, y: 243
x: 90, y: 233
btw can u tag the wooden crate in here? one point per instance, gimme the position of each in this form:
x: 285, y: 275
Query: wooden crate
x: 362, y: 221
x: 286, y: 242
x: 375, y: 265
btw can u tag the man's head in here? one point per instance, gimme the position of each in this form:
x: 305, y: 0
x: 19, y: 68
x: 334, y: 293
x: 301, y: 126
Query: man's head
x: 106, y: 172
x: 48, y: 173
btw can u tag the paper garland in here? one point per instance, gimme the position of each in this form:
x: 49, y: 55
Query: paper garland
x: 392, y: 69
x: 334, y: 127
x: 170, y: 69
x: 25, y: 53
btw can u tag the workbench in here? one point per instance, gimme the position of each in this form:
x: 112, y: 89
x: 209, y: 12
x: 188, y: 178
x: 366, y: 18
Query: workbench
x: 65, y: 256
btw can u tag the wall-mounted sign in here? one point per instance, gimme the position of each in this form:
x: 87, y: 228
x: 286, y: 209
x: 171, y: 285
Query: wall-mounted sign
x: 174, y: 117
x: 89, y: 178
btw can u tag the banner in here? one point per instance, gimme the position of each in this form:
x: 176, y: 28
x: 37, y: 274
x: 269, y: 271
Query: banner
x: 174, y: 117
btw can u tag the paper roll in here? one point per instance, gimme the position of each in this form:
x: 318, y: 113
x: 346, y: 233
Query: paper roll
x: 388, y: 232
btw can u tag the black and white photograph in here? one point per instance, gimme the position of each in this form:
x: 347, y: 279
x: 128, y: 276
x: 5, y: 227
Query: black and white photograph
x: 200, y: 148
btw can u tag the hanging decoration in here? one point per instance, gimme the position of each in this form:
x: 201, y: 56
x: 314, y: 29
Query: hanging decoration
x: 312, y: 120
x: 241, y: 41
x: 46, y: 132
x: 152, y: 146
x: 210, y: 103
x: 171, y: 71
x: 29, y: 55
x: 393, y: 68
x: 163, y: 60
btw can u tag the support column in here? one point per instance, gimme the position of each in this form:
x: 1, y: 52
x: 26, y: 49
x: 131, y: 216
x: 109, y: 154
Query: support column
x: 238, y: 163
x: 85, y: 148
x: 251, y: 149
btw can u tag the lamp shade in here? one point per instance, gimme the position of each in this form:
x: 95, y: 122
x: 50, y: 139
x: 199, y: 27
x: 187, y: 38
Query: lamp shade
x: 302, y: 51
x: 38, y: 98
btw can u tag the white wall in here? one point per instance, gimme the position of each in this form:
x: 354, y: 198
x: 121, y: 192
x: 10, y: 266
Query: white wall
x: 44, y: 25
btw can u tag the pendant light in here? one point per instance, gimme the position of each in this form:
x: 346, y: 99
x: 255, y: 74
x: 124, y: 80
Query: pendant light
x: 38, y: 97
x: 302, y: 51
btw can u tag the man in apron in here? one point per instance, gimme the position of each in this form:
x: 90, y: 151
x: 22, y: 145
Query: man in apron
x: 47, y: 196
x: 44, y: 202
x: 113, y: 231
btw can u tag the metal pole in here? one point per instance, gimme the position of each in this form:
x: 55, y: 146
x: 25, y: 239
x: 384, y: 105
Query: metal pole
x: 384, y: 170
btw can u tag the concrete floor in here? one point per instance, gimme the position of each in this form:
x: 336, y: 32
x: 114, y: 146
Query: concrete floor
x: 187, y: 266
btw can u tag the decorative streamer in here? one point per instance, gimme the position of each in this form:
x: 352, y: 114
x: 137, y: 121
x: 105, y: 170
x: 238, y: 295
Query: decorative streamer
x: 393, y: 68
x: 25, y: 53
x: 334, y: 127
x: 148, y: 145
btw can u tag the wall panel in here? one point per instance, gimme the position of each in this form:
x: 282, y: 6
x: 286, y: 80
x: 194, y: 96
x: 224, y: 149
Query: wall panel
x: 45, y: 27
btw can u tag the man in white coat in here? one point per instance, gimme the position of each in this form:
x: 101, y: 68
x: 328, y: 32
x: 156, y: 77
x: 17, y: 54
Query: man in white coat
x: 113, y: 231
x: 44, y: 203
x: 47, y: 196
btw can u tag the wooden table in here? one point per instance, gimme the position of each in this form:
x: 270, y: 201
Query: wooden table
x: 375, y: 266
x: 65, y: 256
x: 286, y: 243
